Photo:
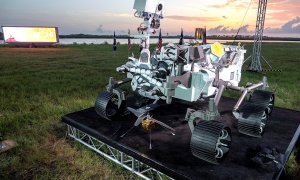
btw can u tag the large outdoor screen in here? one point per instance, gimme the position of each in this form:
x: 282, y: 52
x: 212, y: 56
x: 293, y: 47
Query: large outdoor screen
x: 30, y: 34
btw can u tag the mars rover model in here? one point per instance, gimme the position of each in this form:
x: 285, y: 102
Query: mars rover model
x: 187, y: 73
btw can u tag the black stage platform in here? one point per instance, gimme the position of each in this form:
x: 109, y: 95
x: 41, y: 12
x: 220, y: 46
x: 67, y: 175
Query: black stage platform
x: 171, y: 154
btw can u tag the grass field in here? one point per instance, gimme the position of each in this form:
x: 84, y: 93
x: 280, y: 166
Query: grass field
x: 39, y: 86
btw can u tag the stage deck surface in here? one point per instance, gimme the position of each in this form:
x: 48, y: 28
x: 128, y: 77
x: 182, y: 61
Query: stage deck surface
x: 171, y: 154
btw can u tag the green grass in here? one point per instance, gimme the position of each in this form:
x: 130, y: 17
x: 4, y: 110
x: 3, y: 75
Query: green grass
x: 39, y: 86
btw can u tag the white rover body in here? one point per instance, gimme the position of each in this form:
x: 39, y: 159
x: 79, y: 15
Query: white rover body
x: 188, y: 73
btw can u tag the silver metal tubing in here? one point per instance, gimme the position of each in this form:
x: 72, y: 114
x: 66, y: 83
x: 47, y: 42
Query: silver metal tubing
x: 236, y: 88
x: 237, y: 106
x: 141, y: 169
x: 219, y: 94
x: 123, y: 81
x: 255, y: 86
x: 245, y: 92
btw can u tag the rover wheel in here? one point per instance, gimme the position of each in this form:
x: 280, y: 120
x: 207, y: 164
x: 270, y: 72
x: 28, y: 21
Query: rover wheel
x: 106, y: 105
x: 270, y: 104
x: 264, y: 98
x: 210, y: 141
x: 253, y: 119
x: 255, y: 113
x: 263, y: 121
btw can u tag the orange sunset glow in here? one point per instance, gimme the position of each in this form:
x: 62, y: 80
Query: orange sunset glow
x: 104, y: 17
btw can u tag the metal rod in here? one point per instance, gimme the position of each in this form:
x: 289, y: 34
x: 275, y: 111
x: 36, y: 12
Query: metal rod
x: 123, y: 81
x: 127, y: 132
x: 236, y: 107
x: 266, y: 61
x: 219, y: 94
x: 236, y: 88
x: 247, y: 59
x: 150, y: 145
x: 255, y: 86
x: 245, y: 92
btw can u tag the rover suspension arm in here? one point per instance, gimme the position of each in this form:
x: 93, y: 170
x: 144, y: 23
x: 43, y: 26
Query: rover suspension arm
x: 245, y: 90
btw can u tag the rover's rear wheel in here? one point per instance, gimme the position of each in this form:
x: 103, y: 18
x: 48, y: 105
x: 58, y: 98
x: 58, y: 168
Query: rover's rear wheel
x: 255, y: 113
x: 265, y: 98
x: 107, y: 107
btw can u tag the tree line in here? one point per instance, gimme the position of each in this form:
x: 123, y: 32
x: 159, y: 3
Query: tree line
x: 221, y: 37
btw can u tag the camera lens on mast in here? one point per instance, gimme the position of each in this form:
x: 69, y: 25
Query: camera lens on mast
x: 159, y: 7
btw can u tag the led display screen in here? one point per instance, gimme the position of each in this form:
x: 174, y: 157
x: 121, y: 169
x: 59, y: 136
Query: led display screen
x: 30, y: 34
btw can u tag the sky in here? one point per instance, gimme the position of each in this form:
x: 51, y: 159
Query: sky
x: 221, y: 17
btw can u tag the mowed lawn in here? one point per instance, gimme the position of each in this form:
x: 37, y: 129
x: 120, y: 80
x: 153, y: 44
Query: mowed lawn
x: 40, y: 85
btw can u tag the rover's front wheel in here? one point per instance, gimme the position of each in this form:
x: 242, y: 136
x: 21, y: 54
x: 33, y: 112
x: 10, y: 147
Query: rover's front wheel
x: 211, y: 141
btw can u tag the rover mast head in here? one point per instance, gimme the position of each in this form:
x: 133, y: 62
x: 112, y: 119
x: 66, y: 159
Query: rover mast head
x: 152, y: 12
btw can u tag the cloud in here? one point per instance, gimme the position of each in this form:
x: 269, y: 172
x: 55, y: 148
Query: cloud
x: 296, y: 24
x: 228, y: 3
x: 118, y: 14
x: 193, y: 18
x: 100, y: 29
x: 292, y: 26
x: 281, y: 10
x: 227, y: 30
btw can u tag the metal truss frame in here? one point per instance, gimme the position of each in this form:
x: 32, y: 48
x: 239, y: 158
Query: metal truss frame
x: 260, y: 21
x: 135, y: 166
